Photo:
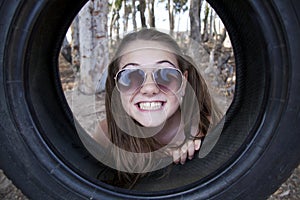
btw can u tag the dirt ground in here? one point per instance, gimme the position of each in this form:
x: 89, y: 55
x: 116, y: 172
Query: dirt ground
x: 289, y: 190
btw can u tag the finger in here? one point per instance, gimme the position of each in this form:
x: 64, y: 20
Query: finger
x: 197, y: 144
x: 191, y: 149
x: 168, y: 152
x: 183, y: 153
x: 183, y: 158
x: 176, y: 156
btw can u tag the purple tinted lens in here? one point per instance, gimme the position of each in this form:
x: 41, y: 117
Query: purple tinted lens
x: 129, y: 80
x: 168, y: 79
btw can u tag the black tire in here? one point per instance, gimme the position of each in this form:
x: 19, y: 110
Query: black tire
x: 259, y: 147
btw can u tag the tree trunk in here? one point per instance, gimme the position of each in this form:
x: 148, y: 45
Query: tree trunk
x: 66, y: 50
x: 93, y: 44
x: 75, y: 53
x: 142, y: 8
x: 134, y: 15
x: 212, y: 29
x: 171, y: 15
x: 114, y: 23
x: 205, y: 23
x: 222, y: 35
x: 194, y: 14
x: 126, y: 16
x: 151, y: 13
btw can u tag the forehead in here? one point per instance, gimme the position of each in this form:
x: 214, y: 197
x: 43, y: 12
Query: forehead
x: 146, y: 52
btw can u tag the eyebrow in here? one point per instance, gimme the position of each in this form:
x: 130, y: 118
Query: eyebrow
x: 167, y: 61
x: 134, y: 64
x: 159, y: 62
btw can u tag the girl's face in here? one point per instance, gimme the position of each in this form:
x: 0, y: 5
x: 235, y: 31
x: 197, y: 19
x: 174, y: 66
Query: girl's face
x: 149, y: 102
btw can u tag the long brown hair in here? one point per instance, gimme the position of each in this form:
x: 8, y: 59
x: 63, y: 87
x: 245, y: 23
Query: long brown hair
x: 197, y: 93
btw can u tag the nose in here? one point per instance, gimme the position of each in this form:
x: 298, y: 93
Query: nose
x: 149, y: 87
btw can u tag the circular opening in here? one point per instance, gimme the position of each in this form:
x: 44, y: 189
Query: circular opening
x: 213, y: 54
x: 61, y: 130
x: 81, y: 68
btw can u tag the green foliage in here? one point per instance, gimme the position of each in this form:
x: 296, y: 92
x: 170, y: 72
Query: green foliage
x: 117, y: 4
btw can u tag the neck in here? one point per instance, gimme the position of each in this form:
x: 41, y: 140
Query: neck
x: 170, y: 129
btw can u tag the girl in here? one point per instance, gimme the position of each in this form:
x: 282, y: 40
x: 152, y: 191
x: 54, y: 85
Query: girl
x: 157, y: 106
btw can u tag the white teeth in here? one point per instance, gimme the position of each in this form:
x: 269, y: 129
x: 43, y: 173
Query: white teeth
x: 150, y: 105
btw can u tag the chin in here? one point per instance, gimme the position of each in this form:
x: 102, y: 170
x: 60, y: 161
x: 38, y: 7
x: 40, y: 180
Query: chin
x: 149, y: 123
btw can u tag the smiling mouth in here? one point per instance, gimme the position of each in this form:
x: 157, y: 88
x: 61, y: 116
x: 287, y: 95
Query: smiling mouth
x: 157, y: 105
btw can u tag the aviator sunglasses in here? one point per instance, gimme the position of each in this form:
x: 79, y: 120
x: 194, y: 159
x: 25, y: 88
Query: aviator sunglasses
x: 167, y: 79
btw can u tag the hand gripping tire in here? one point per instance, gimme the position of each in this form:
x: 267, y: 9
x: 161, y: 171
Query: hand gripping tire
x: 259, y: 147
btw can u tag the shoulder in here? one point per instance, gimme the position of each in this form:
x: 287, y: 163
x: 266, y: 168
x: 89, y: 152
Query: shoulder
x: 100, y: 133
x: 103, y: 126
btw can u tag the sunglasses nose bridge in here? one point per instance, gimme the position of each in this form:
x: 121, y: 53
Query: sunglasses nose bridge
x: 149, y: 86
x: 149, y: 77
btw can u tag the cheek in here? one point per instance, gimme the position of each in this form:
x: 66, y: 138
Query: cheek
x: 125, y: 100
x: 174, y: 102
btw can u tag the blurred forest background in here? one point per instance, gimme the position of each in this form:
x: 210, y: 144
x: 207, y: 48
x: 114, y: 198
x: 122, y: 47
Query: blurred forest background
x: 96, y: 30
